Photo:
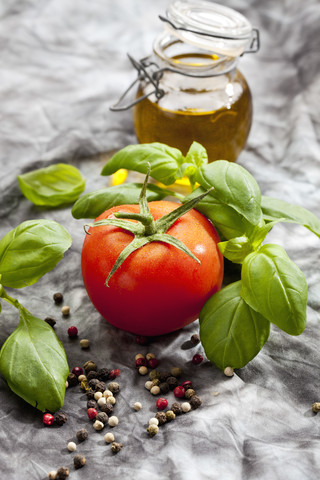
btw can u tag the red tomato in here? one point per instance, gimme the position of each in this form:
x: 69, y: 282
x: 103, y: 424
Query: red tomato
x: 158, y: 288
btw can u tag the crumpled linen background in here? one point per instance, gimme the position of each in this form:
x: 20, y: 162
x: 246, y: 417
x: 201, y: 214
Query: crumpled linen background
x: 62, y: 65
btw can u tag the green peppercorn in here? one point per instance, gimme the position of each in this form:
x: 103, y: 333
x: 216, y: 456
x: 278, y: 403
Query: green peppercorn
x: 170, y: 415
x: 154, y: 374
x: 90, y: 365
x: 176, y: 372
x: 152, y: 430
x: 189, y: 393
x: 155, y: 382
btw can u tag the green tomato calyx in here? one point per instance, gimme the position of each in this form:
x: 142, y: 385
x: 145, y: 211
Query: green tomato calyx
x: 145, y: 229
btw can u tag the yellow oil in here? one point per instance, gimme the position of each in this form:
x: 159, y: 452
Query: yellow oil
x: 185, y: 113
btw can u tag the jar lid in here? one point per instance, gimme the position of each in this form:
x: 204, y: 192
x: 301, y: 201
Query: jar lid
x: 209, y: 26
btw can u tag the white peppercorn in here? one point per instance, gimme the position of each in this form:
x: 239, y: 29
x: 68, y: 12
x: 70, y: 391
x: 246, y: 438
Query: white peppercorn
x: 113, y: 421
x: 155, y: 390
x: 148, y: 384
x: 139, y: 355
x: 153, y: 421
x: 143, y: 370
x: 185, y: 407
x: 137, y: 406
x: 109, y: 437
x: 149, y: 356
x: 228, y: 371
x: 102, y: 401
x: 84, y: 343
x: 111, y: 400
x: 107, y: 393
x: 82, y: 378
x: 97, y: 395
x: 52, y: 475
x: 65, y: 310
x: 98, y: 425
x: 72, y: 446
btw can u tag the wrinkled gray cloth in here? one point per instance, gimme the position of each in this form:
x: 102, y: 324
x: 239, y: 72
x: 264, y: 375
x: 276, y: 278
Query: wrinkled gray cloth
x: 62, y: 64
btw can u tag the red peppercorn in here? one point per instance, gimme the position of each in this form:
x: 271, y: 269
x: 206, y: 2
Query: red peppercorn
x: 162, y: 403
x: 48, y: 419
x: 92, y: 413
x: 72, y: 332
x: 153, y: 362
x: 179, y: 392
x: 77, y: 371
x: 141, y: 340
x: 114, y: 373
x: 196, y: 359
x: 187, y: 384
x: 141, y: 362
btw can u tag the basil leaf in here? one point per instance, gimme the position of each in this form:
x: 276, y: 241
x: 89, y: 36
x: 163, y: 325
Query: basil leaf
x: 164, y: 161
x: 34, y: 363
x: 197, y: 155
x: 275, y: 287
x: 92, y: 204
x: 236, y: 249
x: 30, y: 250
x: 52, y: 186
x: 274, y: 209
x: 224, y: 217
x: 233, y: 186
x: 231, y: 332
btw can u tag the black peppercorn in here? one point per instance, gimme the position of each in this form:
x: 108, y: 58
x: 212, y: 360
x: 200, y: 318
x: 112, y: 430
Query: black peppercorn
x: 172, y: 382
x: 82, y: 435
x: 92, y: 374
x: 90, y: 394
x: 79, y: 461
x: 57, y: 297
x: 102, y: 417
x: 90, y: 365
x: 92, y: 404
x: 102, y: 374
x: 50, y: 321
x: 195, y: 339
x: 164, y: 387
x: 72, y: 380
x: 195, y: 402
x: 176, y: 408
x: 61, y: 418
x: 100, y: 387
x: 93, y: 382
x: 163, y: 376
x: 161, y: 417
x: 107, y: 408
x: 116, y: 447
x: 62, y: 473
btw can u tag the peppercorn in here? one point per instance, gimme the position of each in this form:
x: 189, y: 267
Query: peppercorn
x: 90, y: 394
x: 172, y: 382
x: 84, y: 343
x: 107, y: 393
x: 143, y: 370
x: 107, y: 408
x: 48, y: 419
x: 316, y: 407
x: 50, y: 321
x: 77, y: 371
x: 61, y: 418
x: 82, y: 435
x: 103, y: 374
x: 176, y: 408
x: 195, y: 339
x: 111, y: 400
x: 65, y: 310
x: 153, y: 421
x: 102, y: 401
x: 189, y: 393
x: 92, y: 413
x: 82, y: 378
x: 89, y: 365
x: 185, y: 407
x: 141, y: 362
x: 228, y: 371
x: 79, y: 461
x: 73, y: 332
x: 62, y: 473
x: 93, y: 382
x: 71, y: 446
x: 170, y: 415
x: 153, y: 363
x: 109, y: 437
x: 137, y: 406
x: 197, y: 359
x: 57, y: 297
x: 98, y: 425
x: 93, y: 374
x: 116, y: 447
x: 163, y: 376
x: 92, y: 404
x: 152, y: 430
x: 84, y: 385
x: 114, y: 387
x: 155, y: 390
x: 114, y: 373
x: 179, y: 392
x: 162, y: 403
x: 139, y: 355
x: 72, y: 380
x: 113, y: 421
x: 149, y: 356
x: 52, y: 475
x: 148, y: 384
x: 102, y: 417
x: 195, y: 402
x: 97, y: 395
x: 186, y: 385
x: 164, y: 387
x: 161, y: 417
x: 154, y: 374
x: 176, y: 372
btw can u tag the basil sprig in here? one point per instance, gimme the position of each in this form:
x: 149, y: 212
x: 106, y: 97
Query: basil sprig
x: 235, y: 322
x: 52, y: 186
x: 32, y: 359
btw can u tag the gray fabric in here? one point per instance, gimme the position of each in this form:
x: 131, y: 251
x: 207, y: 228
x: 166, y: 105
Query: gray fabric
x: 62, y: 64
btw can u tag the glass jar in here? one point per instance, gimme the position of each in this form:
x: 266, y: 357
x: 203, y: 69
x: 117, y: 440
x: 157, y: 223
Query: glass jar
x: 190, y: 88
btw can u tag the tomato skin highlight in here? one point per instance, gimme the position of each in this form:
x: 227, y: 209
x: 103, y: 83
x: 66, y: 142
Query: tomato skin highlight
x: 158, y: 289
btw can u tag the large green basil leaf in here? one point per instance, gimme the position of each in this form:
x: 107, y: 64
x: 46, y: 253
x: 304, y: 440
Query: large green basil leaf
x: 274, y: 209
x: 92, y: 204
x: 52, y: 186
x: 233, y: 186
x: 34, y: 363
x: 224, y: 217
x: 164, y: 161
x: 231, y: 332
x: 236, y: 249
x: 274, y: 286
x: 30, y: 250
